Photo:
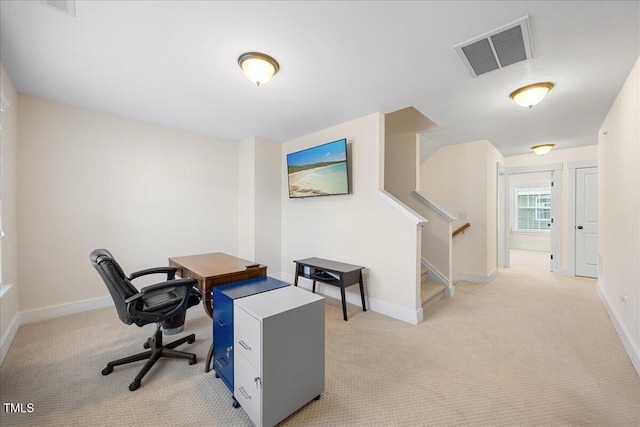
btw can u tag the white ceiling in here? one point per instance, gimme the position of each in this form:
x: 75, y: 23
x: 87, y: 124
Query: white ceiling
x: 174, y: 63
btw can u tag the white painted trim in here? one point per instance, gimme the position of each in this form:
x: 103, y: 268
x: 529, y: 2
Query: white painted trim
x: 390, y: 310
x: 478, y: 278
x: 436, y: 207
x: 414, y: 216
x: 503, y: 218
x: 623, y: 333
x: 54, y: 311
x: 556, y: 214
x: 533, y: 169
x: 593, y: 163
x: 8, y: 337
x: 4, y: 289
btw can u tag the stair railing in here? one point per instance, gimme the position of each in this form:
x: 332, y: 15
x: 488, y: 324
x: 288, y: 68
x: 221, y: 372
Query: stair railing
x: 461, y: 229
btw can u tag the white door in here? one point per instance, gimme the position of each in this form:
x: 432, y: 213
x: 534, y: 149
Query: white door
x: 587, y: 222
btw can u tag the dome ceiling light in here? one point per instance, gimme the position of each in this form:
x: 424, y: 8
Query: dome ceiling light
x: 258, y: 67
x: 528, y: 96
x: 542, y: 149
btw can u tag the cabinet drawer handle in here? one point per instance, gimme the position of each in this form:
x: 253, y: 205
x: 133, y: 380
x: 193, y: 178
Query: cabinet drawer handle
x: 244, y: 393
x: 244, y: 344
x: 221, y: 323
x: 220, y: 364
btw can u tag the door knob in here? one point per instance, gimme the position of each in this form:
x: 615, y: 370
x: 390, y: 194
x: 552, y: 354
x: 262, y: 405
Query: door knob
x: 579, y: 227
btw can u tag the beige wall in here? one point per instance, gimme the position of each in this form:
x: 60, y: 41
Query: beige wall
x: 259, y: 167
x: 360, y: 228
x: 566, y: 156
x: 246, y: 199
x: 619, y: 213
x: 268, y: 170
x: 8, y: 186
x: 462, y: 178
x: 89, y: 180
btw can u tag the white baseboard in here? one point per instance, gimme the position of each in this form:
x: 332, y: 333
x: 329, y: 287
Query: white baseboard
x: 477, y: 278
x: 285, y: 277
x: 394, y: 311
x: 52, y: 312
x: 623, y: 333
x: 8, y: 337
x: 564, y: 272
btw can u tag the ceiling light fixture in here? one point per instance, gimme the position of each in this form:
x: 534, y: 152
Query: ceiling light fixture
x: 528, y: 96
x: 258, y: 67
x: 542, y: 149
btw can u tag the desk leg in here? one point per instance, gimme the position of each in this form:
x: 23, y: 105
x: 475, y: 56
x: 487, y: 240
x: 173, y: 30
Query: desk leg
x: 207, y: 300
x: 344, y: 302
x: 314, y: 287
x: 295, y: 282
x: 364, y: 305
x: 207, y: 366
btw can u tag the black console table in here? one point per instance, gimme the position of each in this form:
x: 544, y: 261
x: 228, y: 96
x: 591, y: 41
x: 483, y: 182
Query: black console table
x: 331, y: 273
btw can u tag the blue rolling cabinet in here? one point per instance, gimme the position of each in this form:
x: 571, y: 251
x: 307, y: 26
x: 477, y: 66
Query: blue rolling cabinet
x: 222, y: 301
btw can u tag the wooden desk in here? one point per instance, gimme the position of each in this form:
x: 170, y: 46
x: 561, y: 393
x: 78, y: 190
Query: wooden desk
x: 331, y: 273
x: 212, y: 270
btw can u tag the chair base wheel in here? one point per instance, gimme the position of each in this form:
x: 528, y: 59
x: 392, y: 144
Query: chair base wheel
x: 193, y: 360
x: 107, y: 370
x: 192, y: 340
x: 134, y: 385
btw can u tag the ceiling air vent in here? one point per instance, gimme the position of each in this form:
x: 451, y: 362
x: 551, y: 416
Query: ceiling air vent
x: 498, y: 48
x: 68, y: 7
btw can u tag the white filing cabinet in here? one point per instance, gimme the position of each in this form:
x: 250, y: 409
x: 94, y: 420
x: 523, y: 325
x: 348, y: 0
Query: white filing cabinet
x: 279, y: 352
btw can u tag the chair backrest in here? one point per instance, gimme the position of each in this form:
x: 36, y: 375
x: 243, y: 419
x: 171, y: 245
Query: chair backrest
x: 119, y: 286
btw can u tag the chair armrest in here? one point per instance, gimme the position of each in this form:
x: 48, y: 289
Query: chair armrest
x: 160, y: 286
x: 169, y: 271
x: 154, y: 316
x: 169, y: 284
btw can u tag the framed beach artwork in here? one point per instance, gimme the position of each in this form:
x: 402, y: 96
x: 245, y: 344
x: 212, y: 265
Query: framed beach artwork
x: 319, y: 171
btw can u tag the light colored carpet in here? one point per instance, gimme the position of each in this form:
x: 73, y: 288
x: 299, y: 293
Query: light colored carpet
x: 531, y: 348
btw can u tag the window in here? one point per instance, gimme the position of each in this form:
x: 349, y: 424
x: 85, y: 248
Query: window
x: 532, y: 208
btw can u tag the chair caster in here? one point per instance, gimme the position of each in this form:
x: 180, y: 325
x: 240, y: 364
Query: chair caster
x: 134, y: 385
x: 192, y: 340
x: 107, y: 370
x: 146, y: 344
x: 193, y: 360
x: 235, y: 403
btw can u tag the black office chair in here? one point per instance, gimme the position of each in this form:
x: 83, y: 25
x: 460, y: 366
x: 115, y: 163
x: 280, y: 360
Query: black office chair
x: 164, y: 303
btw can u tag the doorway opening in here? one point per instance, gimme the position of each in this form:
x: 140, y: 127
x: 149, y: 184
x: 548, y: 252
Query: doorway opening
x: 530, y: 221
x: 528, y: 214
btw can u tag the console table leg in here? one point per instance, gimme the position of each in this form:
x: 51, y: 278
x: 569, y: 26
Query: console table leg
x: 314, y: 287
x: 364, y: 305
x: 344, y: 302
